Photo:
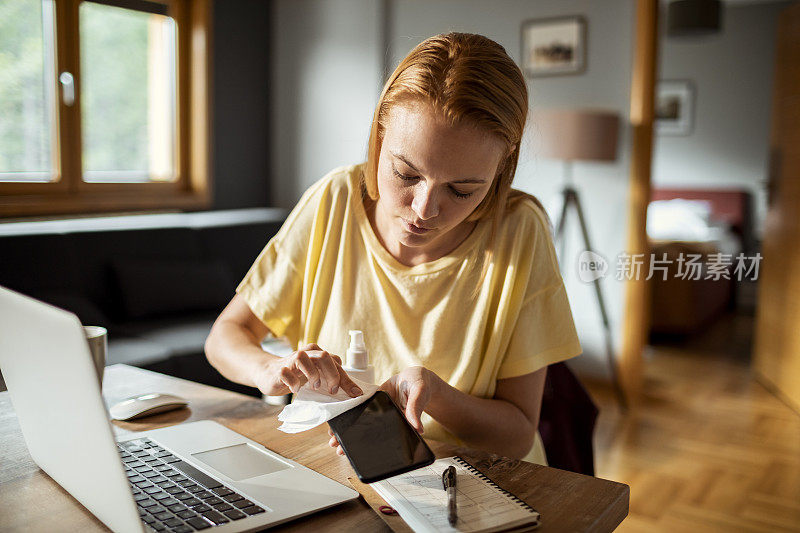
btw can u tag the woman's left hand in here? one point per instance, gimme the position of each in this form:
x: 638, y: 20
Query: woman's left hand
x: 412, y: 390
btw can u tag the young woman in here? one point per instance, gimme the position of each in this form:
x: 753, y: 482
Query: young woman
x: 449, y: 272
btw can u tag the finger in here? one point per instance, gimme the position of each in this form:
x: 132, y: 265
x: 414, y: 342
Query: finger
x: 339, y: 451
x: 328, y: 369
x: 292, y: 379
x: 307, y: 367
x: 337, y: 359
x: 330, y: 431
x: 333, y: 443
x: 415, y: 407
x: 288, y: 378
x: 348, y: 385
x: 402, y: 393
x: 312, y: 346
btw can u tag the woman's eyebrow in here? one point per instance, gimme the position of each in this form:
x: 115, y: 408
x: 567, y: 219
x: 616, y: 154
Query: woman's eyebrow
x: 405, y: 160
x: 469, y: 180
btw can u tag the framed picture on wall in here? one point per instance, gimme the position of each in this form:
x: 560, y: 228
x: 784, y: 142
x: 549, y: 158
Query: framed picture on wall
x: 553, y: 46
x: 674, y: 107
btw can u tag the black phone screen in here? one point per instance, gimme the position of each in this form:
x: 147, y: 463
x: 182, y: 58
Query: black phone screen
x: 379, y: 441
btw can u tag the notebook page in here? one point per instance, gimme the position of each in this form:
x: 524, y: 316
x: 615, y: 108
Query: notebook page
x: 421, y: 500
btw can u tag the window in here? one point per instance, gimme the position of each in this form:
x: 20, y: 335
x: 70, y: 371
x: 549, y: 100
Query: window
x: 128, y: 106
x: 103, y: 105
x: 27, y: 96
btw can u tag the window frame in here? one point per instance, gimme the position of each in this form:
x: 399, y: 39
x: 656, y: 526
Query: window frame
x: 68, y: 193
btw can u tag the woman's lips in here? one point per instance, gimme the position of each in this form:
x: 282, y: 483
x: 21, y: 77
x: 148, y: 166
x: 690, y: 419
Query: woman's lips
x: 413, y: 228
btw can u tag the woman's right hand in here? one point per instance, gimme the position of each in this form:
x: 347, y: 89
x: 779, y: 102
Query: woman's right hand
x: 311, y: 364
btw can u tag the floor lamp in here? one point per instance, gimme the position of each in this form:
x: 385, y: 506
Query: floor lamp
x: 582, y: 135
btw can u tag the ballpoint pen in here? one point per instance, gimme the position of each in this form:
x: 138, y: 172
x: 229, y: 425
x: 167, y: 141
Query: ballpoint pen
x: 449, y: 482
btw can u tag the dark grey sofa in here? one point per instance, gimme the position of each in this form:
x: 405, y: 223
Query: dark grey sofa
x: 155, y: 281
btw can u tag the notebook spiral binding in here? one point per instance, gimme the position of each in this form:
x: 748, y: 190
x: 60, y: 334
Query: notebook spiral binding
x: 480, y: 476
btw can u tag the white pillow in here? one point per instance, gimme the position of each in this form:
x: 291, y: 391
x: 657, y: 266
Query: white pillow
x: 680, y: 220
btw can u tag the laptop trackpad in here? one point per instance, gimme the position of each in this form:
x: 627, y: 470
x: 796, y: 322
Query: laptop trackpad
x: 241, y: 461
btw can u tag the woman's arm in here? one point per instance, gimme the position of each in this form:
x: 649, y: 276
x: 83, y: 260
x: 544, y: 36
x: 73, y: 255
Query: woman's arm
x: 233, y: 347
x: 505, y: 424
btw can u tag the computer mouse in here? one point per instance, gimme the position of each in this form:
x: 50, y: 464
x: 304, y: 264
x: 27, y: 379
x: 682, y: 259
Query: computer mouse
x: 146, y: 405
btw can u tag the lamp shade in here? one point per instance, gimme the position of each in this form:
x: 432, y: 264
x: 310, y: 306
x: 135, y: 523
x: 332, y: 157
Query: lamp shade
x: 579, y: 135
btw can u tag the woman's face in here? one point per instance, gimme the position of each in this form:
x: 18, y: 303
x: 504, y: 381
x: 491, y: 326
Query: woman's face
x: 431, y: 176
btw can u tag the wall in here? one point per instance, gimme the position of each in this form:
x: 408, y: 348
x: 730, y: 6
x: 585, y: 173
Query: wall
x: 240, y: 104
x: 326, y: 77
x: 732, y: 73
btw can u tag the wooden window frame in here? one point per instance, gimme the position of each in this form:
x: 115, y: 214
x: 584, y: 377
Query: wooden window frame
x: 68, y: 193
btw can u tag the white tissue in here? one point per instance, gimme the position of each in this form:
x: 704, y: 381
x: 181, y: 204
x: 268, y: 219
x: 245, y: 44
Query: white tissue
x: 311, y: 408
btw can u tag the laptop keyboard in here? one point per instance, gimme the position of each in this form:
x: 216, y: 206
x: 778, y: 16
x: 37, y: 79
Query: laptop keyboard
x: 174, y: 496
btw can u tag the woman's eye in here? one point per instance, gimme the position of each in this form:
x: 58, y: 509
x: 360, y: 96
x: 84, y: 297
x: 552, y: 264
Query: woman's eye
x: 459, y: 194
x: 403, y: 176
x: 455, y: 192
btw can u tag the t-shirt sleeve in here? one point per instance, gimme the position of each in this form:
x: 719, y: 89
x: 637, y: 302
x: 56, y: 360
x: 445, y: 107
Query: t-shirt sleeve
x: 273, y: 286
x: 544, y: 332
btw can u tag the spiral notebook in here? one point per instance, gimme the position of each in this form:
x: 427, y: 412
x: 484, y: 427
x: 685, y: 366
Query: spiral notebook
x: 483, y: 507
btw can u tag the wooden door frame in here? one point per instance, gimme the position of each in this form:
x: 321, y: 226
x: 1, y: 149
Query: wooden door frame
x: 775, y: 360
x: 636, y: 306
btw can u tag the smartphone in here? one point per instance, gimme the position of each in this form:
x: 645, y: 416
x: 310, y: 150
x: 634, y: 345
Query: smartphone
x: 378, y: 440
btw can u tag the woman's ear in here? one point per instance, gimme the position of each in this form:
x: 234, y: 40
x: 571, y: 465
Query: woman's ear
x: 505, y: 162
x: 508, y: 155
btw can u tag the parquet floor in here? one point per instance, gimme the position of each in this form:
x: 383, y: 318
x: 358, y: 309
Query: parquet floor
x: 709, y: 449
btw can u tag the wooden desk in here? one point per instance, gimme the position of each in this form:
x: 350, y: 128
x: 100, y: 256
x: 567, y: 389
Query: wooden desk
x: 31, y: 501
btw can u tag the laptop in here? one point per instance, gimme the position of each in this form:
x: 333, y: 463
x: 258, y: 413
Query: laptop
x: 189, y: 477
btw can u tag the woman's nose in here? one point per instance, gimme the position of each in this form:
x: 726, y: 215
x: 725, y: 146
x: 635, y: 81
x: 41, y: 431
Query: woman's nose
x: 425, y: 203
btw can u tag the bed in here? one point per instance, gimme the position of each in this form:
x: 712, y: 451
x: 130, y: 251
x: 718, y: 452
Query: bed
x: 705, y: 226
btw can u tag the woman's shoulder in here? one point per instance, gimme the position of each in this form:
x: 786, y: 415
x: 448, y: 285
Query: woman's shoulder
x: 527, y: 240
x: 344, y: 175
x: 525, y: 231
x: 525, y: 212
x: 323, y: 201
x: 333, y: 190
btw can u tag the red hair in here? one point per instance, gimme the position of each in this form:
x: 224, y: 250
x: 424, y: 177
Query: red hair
x: 467, y: 79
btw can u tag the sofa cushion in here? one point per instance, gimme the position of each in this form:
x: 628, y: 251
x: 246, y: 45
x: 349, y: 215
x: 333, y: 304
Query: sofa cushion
x: 88, y: 313
x: 97, y: 251
x: 133, y: 351
x: 237, y: 246
x: 183, y: 335
x: 153, y: 287
x: 33, y: 264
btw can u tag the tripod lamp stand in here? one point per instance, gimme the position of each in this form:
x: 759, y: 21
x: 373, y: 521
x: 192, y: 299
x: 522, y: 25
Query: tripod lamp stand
x: 582, y: 135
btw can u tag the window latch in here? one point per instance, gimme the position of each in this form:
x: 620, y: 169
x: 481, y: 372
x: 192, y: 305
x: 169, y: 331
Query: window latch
x: 67, y: 88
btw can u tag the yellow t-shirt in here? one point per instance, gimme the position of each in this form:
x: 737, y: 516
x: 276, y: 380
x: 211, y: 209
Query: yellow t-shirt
x: 325, y: 273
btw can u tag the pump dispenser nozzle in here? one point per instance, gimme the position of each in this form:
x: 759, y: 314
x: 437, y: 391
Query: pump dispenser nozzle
x: 357, y: 362
x: 357, y: 357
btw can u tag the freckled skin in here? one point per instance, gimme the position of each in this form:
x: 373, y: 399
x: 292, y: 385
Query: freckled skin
x: 421, y: 213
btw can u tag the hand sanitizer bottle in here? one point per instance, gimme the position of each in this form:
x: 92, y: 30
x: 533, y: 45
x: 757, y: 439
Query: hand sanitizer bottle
x: 357, y: 359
